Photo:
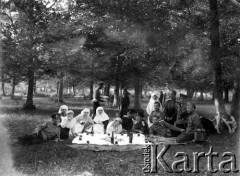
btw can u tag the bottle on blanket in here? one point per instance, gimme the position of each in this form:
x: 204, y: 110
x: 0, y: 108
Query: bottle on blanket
x: 130, y: 137
x: 112, y: 138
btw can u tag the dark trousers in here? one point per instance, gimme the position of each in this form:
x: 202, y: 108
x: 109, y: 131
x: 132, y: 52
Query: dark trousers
x: 171, y: 121
x: 95, y: 106
x: 105, y: 123
x: 30, y: 139
x: 123, y: 112
x: 185, y: 137
x: 64, y: 133
x: 176, y: 133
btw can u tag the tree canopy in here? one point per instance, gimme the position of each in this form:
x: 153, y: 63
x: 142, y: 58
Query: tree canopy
x: 129, y: 44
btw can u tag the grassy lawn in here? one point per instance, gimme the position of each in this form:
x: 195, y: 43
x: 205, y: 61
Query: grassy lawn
x: 58, y: 159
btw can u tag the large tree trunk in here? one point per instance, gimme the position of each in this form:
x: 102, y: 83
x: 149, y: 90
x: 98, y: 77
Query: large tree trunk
x: 29, y: 103
x: 215, y: 56
x: 137, y: 104
x: 117, y: 62
x: 235, y: 104
x: 91, y: 89
x: 92, y: 78
x: 60, y: 91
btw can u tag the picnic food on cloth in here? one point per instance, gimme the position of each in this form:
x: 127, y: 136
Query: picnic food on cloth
x: 105, y: 139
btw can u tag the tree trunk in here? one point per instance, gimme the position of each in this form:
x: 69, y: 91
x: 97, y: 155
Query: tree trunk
x: 141, y: 93
x: 3, y: 84
x: 58, y: 87
x: 123, y: 84
x: 116, y: 94
x: 226, y: 96
x: 137, y: 104
x: 60, y: 91
x: 13, y: 86
x: 215, y: 57
x: 91, y: 89
x: 213, y: 95
x: 83, y: 91
x: 235, y: 104
x: 118, y: 61
x: 190, y: 93
x: 35, y: 86
x: 194, y: 95
x: 3, y: 89
x: 235, y: 100
x: 29, y: 103
x: 107, y: 90
x: 1, y: 68
x: 73, y: 90
x: 92, y: 78
x: 115, y: 98
x: 201, y: 97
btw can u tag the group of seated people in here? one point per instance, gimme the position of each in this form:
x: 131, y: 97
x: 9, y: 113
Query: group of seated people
x: 173, y: 119
x: 183, y: 128
x: 64, y: 124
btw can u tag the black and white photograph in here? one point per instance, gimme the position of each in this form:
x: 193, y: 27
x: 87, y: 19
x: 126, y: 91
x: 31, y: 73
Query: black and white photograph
x: 119, y: 87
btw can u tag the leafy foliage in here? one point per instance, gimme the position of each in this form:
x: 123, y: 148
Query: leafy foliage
x: 156, y: 41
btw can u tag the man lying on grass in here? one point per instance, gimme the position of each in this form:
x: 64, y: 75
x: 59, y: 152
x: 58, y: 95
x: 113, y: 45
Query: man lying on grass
x: 48, y: 131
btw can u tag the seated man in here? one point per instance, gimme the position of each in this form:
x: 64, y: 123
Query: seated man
x: 157, y: 113
x: 171, y: 108
x: 47, y: 131
x: 127, y: 120
x: 182, y: 121
x: 140, y: 126
x: 172, y: 111
x: 194, y: 122
x: 159, y: 128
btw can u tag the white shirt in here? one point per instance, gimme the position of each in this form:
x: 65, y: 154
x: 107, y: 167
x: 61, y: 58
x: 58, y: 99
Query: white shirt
x: 64, y: 121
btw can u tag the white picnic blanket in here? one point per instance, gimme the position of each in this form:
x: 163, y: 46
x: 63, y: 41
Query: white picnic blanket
x: 102, y: 142
x: 104, y: 139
